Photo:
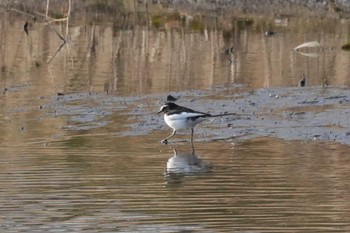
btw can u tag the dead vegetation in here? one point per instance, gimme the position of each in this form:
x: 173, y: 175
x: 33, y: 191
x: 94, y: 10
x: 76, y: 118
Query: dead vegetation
x: 35, y: 16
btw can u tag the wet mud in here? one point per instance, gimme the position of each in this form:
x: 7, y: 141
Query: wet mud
x: 307, y: 114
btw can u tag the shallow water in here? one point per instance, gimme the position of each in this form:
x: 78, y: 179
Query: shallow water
x: 77, y: 155
x: 116, y: 184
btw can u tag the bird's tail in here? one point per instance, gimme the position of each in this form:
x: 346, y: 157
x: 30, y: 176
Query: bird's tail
x: 224, y: 114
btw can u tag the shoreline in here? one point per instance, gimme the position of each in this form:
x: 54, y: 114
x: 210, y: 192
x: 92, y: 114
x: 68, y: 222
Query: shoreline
x: 306, y: 114
x: 246, y: 8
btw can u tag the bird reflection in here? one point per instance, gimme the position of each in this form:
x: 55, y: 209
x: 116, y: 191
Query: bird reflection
x: 184, y: 164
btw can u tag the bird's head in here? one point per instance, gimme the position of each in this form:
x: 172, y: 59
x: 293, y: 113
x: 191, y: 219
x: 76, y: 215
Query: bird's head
x: 167, y: 107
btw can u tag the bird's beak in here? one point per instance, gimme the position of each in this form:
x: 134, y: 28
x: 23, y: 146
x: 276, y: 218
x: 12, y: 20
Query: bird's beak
x: 162, y: 109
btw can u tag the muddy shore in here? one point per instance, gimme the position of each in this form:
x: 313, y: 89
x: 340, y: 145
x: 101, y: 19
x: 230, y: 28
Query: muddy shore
x: 307, y: 114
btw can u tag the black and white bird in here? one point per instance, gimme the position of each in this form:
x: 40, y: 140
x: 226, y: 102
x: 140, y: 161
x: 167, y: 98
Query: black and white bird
x: 178, y: 117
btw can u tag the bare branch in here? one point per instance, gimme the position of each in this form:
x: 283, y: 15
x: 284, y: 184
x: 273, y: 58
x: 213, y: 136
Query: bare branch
x: 47, y: 8
x: 57, y: 51
x: 21, y: 12
x: 68, y: 14
x: 58, y: 34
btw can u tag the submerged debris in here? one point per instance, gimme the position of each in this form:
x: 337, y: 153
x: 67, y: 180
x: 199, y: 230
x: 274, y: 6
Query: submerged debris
x: 25, y: 27
x: 346, y: 47
x: 313, y: 49
x: 302, y: 81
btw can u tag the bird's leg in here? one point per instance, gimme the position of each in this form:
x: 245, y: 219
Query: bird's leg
x: 193, y: 152
x: 192, y: 135
x: 165, y: 140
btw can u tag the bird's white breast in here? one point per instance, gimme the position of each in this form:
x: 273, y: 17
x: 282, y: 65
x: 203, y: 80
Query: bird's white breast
x: 183, y: 120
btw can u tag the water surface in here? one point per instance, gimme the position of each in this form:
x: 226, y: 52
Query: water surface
x: 262, y: 185
x: 71, y: 162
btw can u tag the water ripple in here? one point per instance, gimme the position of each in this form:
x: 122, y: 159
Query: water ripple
x: 248, y: 187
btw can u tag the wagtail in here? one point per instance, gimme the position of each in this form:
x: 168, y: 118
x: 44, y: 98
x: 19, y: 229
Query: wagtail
x: 178, y: 117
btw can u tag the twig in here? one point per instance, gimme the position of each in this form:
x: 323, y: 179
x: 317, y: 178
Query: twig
x: 57, y: 51
x: 58, y: 34
x: 65, y: 40
x: 47, y: 8
x: 68, y: 14
x: 40, y: 14
x: 48, y: 20
x: 21, y: 12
